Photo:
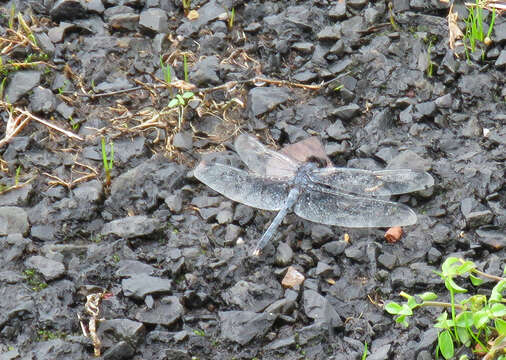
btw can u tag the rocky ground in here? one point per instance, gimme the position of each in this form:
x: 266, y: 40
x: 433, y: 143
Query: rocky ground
x: 168, y: 257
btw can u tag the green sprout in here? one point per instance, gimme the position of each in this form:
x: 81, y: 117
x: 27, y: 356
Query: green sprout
x: 392, y: 17
x: 16, y: 177
x: 338, y: 87
x: 34, y: 280
x: 186, y: 5
x: 199, y: 332
x: 231, y: 18
x: 430, y: 67
x: 475, y: 29
x: 181, y: 101
x: 364, y: 354
x: 185, y: 68
x: 12, y: 15
x: 107, y: 163
x: 475, y: 322
x: 167, y: 73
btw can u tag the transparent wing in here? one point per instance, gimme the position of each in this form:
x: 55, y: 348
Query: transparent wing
x: 351, y: 211
x: 242, y: 187
x: 372, y: 183
x: 263, y: 161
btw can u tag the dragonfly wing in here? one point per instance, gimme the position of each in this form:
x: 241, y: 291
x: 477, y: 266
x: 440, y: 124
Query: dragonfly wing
x: 243, y: 187
x: 351, y: 211
x: 373, y: 183
x: 262, y: 160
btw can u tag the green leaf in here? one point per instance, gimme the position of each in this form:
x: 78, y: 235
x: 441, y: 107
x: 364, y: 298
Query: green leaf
x: 393, y: 308
x: 428, y: 296
x: 464, y: 336
x: 476, y: 281
x: 445, y: 343
x: 173, y: 103
x: 442, y: 321
x: 466, y: 267
x: 500, y: 326
x: 448, y: 268
x: 412, y: 302
x: 464, y: 319
x: 480, y: 318
x: 496, y: 295
x: 498, y: 310
x: 188, y: 95
x: 406, y: 310
x: 452, y: 285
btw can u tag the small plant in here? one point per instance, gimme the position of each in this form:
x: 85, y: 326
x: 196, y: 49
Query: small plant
x: 430, y: 66
x: 199, y: 332
x: 116, y: 258
x: 477, y: 321
x: 186, y: 5
x: 231, y: 18
x: 12, y: 15
x: 108, y: 163
x: 45, y: 335
x: 392, y: 17
x: 474, y: 27
x: 34, y: 280
x: 185, y: 68
x: 180, y: 101
x: 364, y: 354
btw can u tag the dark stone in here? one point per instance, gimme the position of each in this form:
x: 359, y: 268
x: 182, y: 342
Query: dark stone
x: 494, y: 240
x: 244, y: 326
x: 335, y: 248
x: 132, y: 226
x: 265, y: 99
x: 319, y: 309
x: 65, y: 110
x: 20, y: 83
x: 205, y: 71
x: 183, y: 140
x: 166, y: 313
x: 346, y: 112
x: 67, y: 10
x: 251, y: 296
x: 113, y: 331
x: 128, y: 268
x: 141, y: 285
x: 50, y: 269
x: 154, y: 20
x: 338, y: 131
x: 338, y: 11
x: 284, y: 255
x: 330, y: 33
x: 13, y: 220
x: 119, y: 351
x: 42, y: 100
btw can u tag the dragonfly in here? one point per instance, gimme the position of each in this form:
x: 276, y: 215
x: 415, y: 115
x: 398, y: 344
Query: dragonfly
x: 315, y: 191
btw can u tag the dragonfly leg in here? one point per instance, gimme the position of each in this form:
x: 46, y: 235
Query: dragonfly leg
x: 290, y: 201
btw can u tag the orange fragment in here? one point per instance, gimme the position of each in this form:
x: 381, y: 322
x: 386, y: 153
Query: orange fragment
x: 292, y: 278
x: 393, y: 234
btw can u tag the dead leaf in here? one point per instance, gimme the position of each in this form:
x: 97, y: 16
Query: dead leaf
x: 454, y: 31
x: 192, y: 15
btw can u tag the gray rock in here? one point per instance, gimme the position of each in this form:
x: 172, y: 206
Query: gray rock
x: 232, y: 233
x: 319, y: 309
x: 141, y: 285
x: 167, y: 312
x: 19, y: 196
x: 339, y: 67
x: 50, y: 269
x: 205, y: 71
x: 154, y: 20
x: 95, y: 6
x: 501, y: 60
x: 406, y: 115
x: 90, y: 191
x: 20, y: 83
x: 12, y: 248
x: 338, y: 131
x: 444, y: 102
x: 402, y: 277
x: 335, y: 248
x: 125, y: 22
x: 320, y: 234
x: 305, y: 76
x: 211, y: 11
x: 476, y: 85
x: 284, y: 255
x: 43, y: 232
x: 119, y: 350
x: 44, y: 42
x: 426, y: 108
x: 243, y: 326
x: 65, y: 110
x: 132, y: 226
x: 128, y: 268
x: 492, y: 239
x: 127, y: 149
x: 13, y: 220
x: 338, y: 11
x: 174, y: 202
x: 112, y: 331
x: 330, y: 33
x: 409, y: 159
x: 387, y: 260
x: 14, y: 301
x: 380, y: 353
x: 281, y: 306
x: 251, y: 296
x: 42, y: 100
x: 67, y: 10
x: 358, y: 4
x: 119, y: 83
x: 305, y: 47
x: 500, y: 32
x: 183, y: 140
x: 346, y: 112
x: 264, y: 99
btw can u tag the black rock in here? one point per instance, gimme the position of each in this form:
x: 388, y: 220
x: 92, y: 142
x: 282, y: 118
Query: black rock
x: 154, y: 20
x: 20, y: 83
x: 132, y: 226
x: 205, y: 72
x: 13, y: 220
x: 319, y: 309
x: 141, y: 285
x: 166, y: 313
x: 67, y: 10
x: 244, y: 326
x: 264, y: 99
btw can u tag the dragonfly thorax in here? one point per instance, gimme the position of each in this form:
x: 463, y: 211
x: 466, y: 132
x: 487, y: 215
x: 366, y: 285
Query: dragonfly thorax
x: 301, y: 177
